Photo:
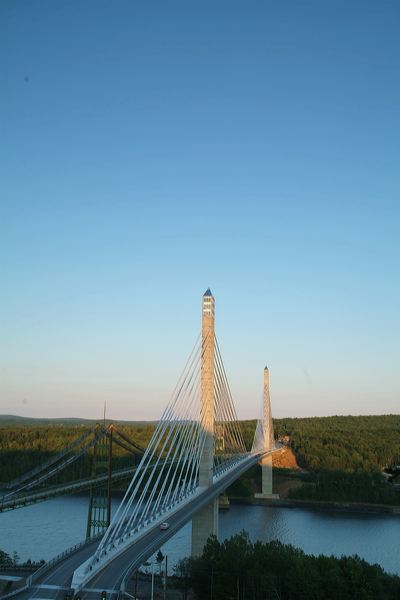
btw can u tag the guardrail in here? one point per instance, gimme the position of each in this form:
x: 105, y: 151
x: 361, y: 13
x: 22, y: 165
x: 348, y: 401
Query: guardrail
x: 47, y: 565
x: 15, y: 592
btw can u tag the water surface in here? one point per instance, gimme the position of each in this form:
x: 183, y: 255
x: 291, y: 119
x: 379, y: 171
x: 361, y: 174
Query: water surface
x: 43, y: 530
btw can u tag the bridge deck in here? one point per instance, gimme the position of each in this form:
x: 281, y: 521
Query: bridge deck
x: 62, y: 489
x: 58, y: 579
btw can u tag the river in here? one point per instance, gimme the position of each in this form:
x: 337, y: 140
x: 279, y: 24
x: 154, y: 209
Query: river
x: 43, y: 530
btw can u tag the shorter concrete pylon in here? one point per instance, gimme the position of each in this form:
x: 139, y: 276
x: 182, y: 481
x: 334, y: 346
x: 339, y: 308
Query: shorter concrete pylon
x: 269, y: 444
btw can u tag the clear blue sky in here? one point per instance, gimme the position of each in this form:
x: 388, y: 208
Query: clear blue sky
x: 149, y: 150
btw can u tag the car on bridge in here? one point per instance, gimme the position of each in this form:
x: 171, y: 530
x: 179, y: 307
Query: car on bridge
x: 164, y: 526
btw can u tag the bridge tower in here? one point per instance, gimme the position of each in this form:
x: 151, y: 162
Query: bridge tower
x: 205, y: 523
x: 99, y: 513
x: 269, y: 443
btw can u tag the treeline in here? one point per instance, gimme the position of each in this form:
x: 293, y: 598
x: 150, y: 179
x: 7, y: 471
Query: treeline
x: 350, y: 444
x: 7, y: 561
x: 23, y: 448
x: 54, y: 438
x: 237, y: 569
x: 364, y: 443
x: 340, y: 486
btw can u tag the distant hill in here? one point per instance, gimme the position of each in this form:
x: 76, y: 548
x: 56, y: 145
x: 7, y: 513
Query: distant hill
x: 16, y: 421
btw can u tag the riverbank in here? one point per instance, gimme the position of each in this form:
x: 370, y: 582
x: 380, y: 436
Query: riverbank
x: 359, y: 507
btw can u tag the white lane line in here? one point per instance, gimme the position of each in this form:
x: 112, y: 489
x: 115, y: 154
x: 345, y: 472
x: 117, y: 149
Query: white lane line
x: 47, y: 586
x: 99, y: 590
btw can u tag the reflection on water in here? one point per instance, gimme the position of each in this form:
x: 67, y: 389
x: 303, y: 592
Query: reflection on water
x: 43, y: 530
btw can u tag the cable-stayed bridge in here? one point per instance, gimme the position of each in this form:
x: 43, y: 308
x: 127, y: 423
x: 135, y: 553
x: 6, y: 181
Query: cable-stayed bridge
x: 196, y: 451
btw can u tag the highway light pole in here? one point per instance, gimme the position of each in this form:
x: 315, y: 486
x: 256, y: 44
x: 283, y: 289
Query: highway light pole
x: 152, y: 580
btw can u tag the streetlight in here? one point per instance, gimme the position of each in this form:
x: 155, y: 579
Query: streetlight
x: 152, y: 580
x: 165, y: 576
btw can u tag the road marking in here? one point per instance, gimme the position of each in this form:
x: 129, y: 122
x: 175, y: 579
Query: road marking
x: 99, y: 590
x: 47, y: 586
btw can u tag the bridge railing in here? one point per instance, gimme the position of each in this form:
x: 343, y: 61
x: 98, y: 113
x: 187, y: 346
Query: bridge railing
x: 60, y: 557
x: 229, y: 464
x: 18, y: 590
x: 47, y: 565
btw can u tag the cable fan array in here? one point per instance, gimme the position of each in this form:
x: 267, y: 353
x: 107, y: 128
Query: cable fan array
x: 264, y: 433
x: 258, y: 442
x: 228, y: 437
x: 169, y: 470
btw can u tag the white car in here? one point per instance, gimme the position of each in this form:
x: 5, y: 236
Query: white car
x: 164, y: 525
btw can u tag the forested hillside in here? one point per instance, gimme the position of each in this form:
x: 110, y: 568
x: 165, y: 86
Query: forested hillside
x: 344, y: 457
x: 342, y: 486
x: 347, y: 444
x: 365, y: 443
x: 23, y: 448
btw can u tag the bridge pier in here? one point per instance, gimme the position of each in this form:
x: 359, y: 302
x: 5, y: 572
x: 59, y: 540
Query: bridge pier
x: 266, y: 478
x: 205, y: 522
x: 269, y: 443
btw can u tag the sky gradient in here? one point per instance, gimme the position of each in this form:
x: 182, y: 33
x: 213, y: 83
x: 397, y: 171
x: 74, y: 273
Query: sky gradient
x: 151, y: 150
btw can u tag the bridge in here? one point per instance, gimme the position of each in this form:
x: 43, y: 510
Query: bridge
x: 196, y: 451
x: 38, y: 484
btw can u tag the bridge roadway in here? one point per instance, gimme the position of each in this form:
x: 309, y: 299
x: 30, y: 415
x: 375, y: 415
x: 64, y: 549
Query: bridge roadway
x: 62, y: 489
x: 55, y: 583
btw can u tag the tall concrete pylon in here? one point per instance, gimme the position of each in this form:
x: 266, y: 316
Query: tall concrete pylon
x: 269, y: 443
x: 205, y: 522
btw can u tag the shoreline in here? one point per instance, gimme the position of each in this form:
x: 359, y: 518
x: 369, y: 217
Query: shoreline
x: 323, y: 505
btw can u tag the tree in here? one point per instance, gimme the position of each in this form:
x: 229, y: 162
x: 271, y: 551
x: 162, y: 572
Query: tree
x: 5, y: 559
x: 159, y: 559
x: 182, y: 571
x: 237, y: 569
